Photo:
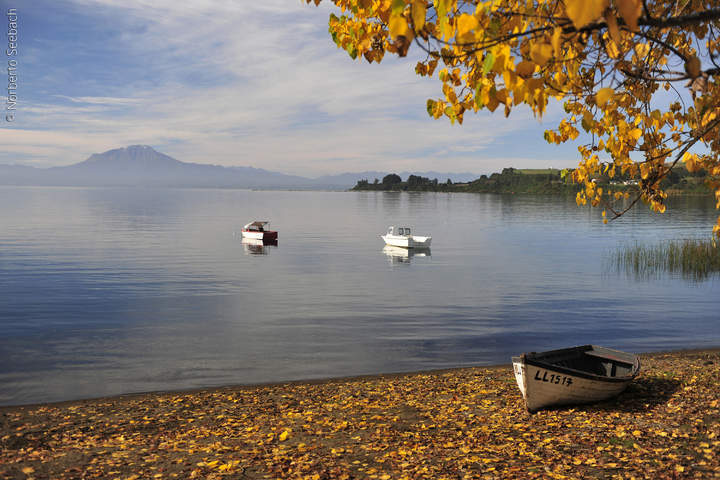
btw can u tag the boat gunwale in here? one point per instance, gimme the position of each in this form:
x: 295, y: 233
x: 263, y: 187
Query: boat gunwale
x: 528, y: 359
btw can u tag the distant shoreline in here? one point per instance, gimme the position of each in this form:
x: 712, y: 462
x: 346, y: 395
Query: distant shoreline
x: 670, y: 192
x: 533, y: 181
x: 318, y: 381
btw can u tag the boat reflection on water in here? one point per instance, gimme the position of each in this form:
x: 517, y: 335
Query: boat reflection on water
x: 255, y: 246
x: 404, y: 255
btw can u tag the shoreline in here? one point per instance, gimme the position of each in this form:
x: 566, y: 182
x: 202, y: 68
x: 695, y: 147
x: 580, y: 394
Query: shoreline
x: 316, y: 381
x: 462, y: 423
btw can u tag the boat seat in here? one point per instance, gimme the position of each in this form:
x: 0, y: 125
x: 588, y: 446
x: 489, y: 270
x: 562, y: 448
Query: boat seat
x: 584, y: 364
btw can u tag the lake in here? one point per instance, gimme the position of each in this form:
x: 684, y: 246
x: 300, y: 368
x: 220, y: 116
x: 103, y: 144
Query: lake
x: 111, y: 291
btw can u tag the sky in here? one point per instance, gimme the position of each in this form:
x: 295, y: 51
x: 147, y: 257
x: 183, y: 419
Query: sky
x: 238, y: 83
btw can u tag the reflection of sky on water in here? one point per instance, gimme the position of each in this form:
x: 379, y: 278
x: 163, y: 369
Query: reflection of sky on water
x: 112, y: 291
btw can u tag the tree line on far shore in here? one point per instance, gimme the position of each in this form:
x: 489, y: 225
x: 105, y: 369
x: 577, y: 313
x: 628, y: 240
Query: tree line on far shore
x: 512, y: 180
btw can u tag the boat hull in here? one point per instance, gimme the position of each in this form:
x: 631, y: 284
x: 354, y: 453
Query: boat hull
x: 404, y: 255
x: 544, y: 384
x: 253, y: 246
x: 405, y: 241
x: 267, y: 235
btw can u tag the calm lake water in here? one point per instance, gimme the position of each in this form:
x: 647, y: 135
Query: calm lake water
x: 109, y: 291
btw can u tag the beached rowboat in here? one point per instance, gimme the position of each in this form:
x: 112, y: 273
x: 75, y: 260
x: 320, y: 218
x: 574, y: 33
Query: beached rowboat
x: 574, y: 375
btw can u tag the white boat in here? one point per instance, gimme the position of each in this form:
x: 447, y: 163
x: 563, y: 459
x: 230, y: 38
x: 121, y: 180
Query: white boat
x: 571, y: 376
x: 256, y: 229
x: 404, y: 238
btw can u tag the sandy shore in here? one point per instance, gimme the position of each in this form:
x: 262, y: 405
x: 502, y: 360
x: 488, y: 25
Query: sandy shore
x: 464, y: 423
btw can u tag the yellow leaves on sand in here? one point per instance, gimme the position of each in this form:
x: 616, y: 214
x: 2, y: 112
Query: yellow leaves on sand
x: 462, y: 423
x: 584, y: 12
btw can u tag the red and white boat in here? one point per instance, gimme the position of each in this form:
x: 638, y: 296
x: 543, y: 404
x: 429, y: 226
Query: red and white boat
x: 256, y: 230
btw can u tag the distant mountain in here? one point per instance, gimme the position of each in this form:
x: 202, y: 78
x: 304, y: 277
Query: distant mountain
x: 17, y: 174
x: 141, y: 165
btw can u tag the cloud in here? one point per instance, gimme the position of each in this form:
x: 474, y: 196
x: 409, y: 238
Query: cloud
x: 101, y: 100
x: 248, y: 83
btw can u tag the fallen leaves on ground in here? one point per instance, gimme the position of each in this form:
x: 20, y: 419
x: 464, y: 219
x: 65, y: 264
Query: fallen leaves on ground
x: 466, y: 423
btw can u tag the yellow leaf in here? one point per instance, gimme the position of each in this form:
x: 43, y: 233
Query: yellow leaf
x: 284, y: 435
x: 630, y: 11
x: 603, y: 96
x: 584, y: 12
x: 465, y: 25
x: 525, y: 68
x: 556, y: 38
x: 642, y: 50
x: 690, y: 161
x: 613, y: 28
x: 635, y: 133
x: 28, y: 470
x: 540, y: 53
x: 398, y: 27
x: 692, y: 66
x: 419, y: 10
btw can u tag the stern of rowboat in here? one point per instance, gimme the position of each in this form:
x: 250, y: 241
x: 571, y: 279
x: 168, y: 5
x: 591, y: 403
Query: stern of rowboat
x: 519, y: 371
